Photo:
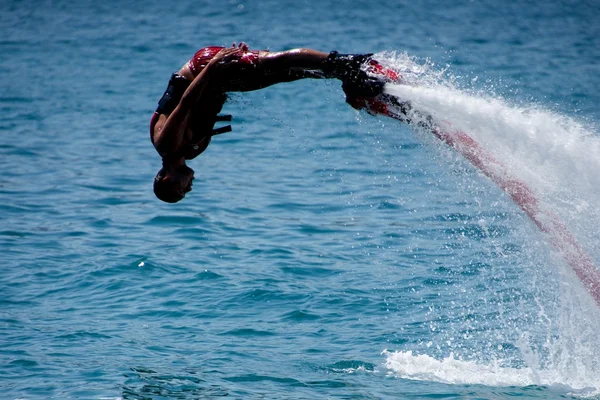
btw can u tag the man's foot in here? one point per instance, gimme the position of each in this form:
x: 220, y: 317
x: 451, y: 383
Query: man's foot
x: 355, y: 81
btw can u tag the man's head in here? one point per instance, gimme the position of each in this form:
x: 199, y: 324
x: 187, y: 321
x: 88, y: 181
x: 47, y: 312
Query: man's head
x: 172, y: 183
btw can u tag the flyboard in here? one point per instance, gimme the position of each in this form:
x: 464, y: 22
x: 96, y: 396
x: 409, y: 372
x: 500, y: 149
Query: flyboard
x: 522, y: 195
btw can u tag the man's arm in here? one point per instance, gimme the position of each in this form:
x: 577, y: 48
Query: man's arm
x: 169, y: 137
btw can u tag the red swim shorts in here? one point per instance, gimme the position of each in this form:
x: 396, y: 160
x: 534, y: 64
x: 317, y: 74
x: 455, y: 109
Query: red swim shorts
x: 204, y: 55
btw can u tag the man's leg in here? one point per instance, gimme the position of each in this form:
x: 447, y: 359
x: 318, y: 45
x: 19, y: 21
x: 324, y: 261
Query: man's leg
x: 302, y: 59
x: 258, y: 70
x: 307, y: 63
x: 269, y: 68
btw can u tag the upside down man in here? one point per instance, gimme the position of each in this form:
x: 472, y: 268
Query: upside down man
x: 183, y: 124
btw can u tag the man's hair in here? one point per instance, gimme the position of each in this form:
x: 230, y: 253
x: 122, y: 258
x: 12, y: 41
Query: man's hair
x: 166, y: 188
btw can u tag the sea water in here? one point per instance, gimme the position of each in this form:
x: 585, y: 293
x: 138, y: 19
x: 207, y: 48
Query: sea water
x: 323, y: 253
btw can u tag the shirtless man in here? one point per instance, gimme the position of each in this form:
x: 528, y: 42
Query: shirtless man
x: 183, y: 123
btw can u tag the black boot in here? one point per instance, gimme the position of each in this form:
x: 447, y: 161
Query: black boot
x: 348, y: 69
x: 345, y: 64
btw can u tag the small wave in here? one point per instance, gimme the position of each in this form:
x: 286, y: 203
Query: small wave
x: 350, y: 367
x: 450, y: 370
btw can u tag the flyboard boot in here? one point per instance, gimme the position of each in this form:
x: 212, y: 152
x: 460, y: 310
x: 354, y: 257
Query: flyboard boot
x: 363, y: 80
x: 349, y: 68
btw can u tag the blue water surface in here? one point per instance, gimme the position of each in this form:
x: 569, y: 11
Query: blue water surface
x: 314, y: 238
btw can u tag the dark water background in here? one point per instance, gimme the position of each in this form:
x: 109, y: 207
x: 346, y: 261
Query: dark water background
x: 314, y: 239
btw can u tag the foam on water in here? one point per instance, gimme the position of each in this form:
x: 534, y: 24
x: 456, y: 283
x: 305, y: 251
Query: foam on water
x: 451, y: 370
x: 558, y: 158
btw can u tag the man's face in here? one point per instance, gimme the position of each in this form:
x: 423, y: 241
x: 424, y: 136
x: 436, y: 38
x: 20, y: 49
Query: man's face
x: 184, y: 180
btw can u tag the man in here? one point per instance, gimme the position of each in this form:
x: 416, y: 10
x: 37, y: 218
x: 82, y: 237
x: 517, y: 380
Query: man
x: 183, y: 123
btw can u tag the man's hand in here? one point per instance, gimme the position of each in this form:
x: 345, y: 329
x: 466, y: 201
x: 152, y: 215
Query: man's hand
x: 242, y: 46
x: 227, y: 55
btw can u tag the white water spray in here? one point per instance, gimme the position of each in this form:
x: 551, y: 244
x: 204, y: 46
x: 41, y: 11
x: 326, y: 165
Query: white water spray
x: 553, y: 154
x: 454, y: 371
x: 558, y: 159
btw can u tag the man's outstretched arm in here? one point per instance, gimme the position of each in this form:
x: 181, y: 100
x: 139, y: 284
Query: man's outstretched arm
x: 169, y: 137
